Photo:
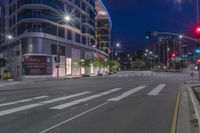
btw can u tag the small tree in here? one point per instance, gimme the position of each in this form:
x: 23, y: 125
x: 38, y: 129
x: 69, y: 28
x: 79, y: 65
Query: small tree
x: 85, y: 63
x: 113, y: 65
x: 138, y: 64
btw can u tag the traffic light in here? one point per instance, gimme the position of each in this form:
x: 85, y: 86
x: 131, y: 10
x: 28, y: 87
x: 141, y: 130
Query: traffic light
x: 148, y: 34
x: 197, y: 51
x: 198, y: 60
x: 173, y: 55
x: 198, y: 30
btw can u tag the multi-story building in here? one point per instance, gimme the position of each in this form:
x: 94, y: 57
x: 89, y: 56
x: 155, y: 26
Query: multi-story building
x: 103, y: 28
x: 41, y: 33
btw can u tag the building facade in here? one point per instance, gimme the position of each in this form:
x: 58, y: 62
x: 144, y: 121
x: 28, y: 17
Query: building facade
x: 103, y: 28
x: 40, y: 27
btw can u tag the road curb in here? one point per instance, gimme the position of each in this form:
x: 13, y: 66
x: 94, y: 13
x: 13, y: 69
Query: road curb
x: 175, y: 116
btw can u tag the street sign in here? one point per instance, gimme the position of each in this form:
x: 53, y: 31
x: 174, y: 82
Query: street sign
x: 155, y: 33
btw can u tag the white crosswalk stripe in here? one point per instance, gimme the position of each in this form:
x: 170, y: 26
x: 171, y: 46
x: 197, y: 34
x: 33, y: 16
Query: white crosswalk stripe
x: 66, y: 105
x: 157, y: 90
x: 30, y: 106
x: 126, y: 94
x: 22, y: 101
x: 130, y: 75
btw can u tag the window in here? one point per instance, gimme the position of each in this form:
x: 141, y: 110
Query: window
x: 61, y: 32
x: 83, y: 39
x: 69, y: 35
x: 77, y: 37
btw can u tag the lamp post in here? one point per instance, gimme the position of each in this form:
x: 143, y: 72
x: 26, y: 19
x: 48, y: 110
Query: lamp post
x: 113, y: 49
x: 67, y: 18
x: 10, y: 37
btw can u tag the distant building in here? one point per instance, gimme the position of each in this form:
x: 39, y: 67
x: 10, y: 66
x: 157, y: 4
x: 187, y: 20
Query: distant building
x: 125, y: 58
x: 168, y: 45
x: 36, y: 22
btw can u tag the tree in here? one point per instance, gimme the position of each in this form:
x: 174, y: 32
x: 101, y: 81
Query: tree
x: 113, y: 64
x: 138, y: 64
x: 85, y: 63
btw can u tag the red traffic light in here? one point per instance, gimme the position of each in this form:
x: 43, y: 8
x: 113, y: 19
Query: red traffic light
x: 173, y: 55
x: 198, y: 30
x: 198, y: 60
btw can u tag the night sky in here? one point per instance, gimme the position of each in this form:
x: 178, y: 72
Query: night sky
x: 132, y: 18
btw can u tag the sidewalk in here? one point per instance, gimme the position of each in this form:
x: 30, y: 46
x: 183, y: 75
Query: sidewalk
x: 185, y: 114
x: 188, y: 109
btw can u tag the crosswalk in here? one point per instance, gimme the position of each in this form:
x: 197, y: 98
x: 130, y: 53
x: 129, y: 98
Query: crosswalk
x: 64, y: 102
x: 130, y: 75
x: 13, y: 83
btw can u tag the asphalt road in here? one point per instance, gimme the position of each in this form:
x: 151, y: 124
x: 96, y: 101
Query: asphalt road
x: 127, y: 102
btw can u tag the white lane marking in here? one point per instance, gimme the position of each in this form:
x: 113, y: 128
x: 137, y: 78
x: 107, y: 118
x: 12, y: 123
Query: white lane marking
x: 66, y: 105
x: 22, y: 101
x: 126, y: 94
x: 157, y: 90
x: 70, y: 119
x: 12, y: 83
x: 21, y: 108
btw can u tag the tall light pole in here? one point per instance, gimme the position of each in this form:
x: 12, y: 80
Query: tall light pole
x: 113, y: 49
x: 10, y: 37
x: 67, y: 18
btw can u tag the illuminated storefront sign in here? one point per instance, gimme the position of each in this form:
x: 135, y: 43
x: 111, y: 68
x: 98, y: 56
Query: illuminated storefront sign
x: 37, y: 65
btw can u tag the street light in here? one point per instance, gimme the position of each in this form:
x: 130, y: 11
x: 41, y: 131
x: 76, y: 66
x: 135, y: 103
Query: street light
x: 113, y: 47
x: 118, y: 44
x: 10, y: 37
x: 180, y: 36
x: 66, y: 18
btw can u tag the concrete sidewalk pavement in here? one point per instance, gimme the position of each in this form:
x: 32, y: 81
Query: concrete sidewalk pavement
x: 185, y: 114
x: 188, y: 109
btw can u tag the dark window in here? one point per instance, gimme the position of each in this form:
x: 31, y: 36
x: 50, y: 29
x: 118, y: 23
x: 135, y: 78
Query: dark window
x: 61, y: 32
x: 10, y: 10
x: 83, y: 39
x: 69, y: 35
x: 77, y: 37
